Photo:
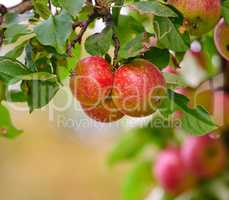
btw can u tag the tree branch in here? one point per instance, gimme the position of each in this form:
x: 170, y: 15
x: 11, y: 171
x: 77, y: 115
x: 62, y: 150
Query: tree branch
x: 22, y: 7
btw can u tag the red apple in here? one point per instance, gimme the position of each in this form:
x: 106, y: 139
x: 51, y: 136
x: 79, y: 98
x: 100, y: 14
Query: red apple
x: 204, y: 156
x: 200, y: 15
x: 138, y: 88
x: 92, y: 81
x: 171, y: 173
x: 104, y: 112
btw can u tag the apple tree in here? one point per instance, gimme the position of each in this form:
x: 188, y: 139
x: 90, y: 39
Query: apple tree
x: 132, y: 68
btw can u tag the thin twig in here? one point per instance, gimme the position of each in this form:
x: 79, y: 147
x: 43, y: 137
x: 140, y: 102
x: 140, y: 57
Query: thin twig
x: 175, y: 61
x: 84, y: 25
x: 116, y: 48
x: 50, y: 5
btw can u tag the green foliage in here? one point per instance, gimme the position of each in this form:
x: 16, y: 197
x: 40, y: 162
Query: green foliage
x: 167, y: 31
x: 158, y: 131
x: 195, y: 121
x: 57, y: 29
x: 16, y: 52
x: 14, y: 31
x: 2, y: 91
x: 99, y: 43
x: 41, y: 7
x: 134, y: 47
x: 157, y: 56
x: 138, y: 182
x: 209, y: 51
x: 10, y: 68
x: 71, y: 6
x: 154, y: 7
x: 7, y: 129
x: 130, y: 145
x: 40, y: 93
x: 225, y: 10
x: 174, y: 81
x: 127, y: 28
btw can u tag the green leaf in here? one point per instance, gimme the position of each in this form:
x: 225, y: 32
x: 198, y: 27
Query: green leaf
x: 116, y: 11
x: 40, y: 93
x: 56, y: 3
x: 73, y: 7
x: 130, y: 145
x: 2, y: 91
x: 225, y: 10
x: 153, y: 7
x: 14, y: 31
x: 41, y: 7
x: 16, y: 96
x: 55, y: 31
x: 10, y: 68
x: 169, y: 36
x: 11, y: 18
x: 195, y: 121
x: 7, y: 129
x: 64, y: 71
x: 41, y: 76
x: 159, y: 57
x: 134, y: 47
x: 157, y: 132
x: 99, y: 43
x: 209, y: 52
x: 174, y: 81
x: 128, y: 27
x: 16, y: 51
x: 138, y: 182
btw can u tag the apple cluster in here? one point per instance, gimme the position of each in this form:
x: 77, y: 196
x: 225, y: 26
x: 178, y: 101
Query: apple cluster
x: 106, y: 95
x: 179, y: 169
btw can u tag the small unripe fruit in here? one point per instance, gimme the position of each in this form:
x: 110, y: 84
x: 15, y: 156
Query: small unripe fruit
x: 200, y: 15
x: 138, y: 88
x: 203, y: 156
x: 171, y: 173
x: 92, y: 80
x: 104, y: 112
x: 221, y: 37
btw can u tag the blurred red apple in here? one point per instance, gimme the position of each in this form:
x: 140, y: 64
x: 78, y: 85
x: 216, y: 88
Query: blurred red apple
x: 204, y: 156
x: 171, y: 172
